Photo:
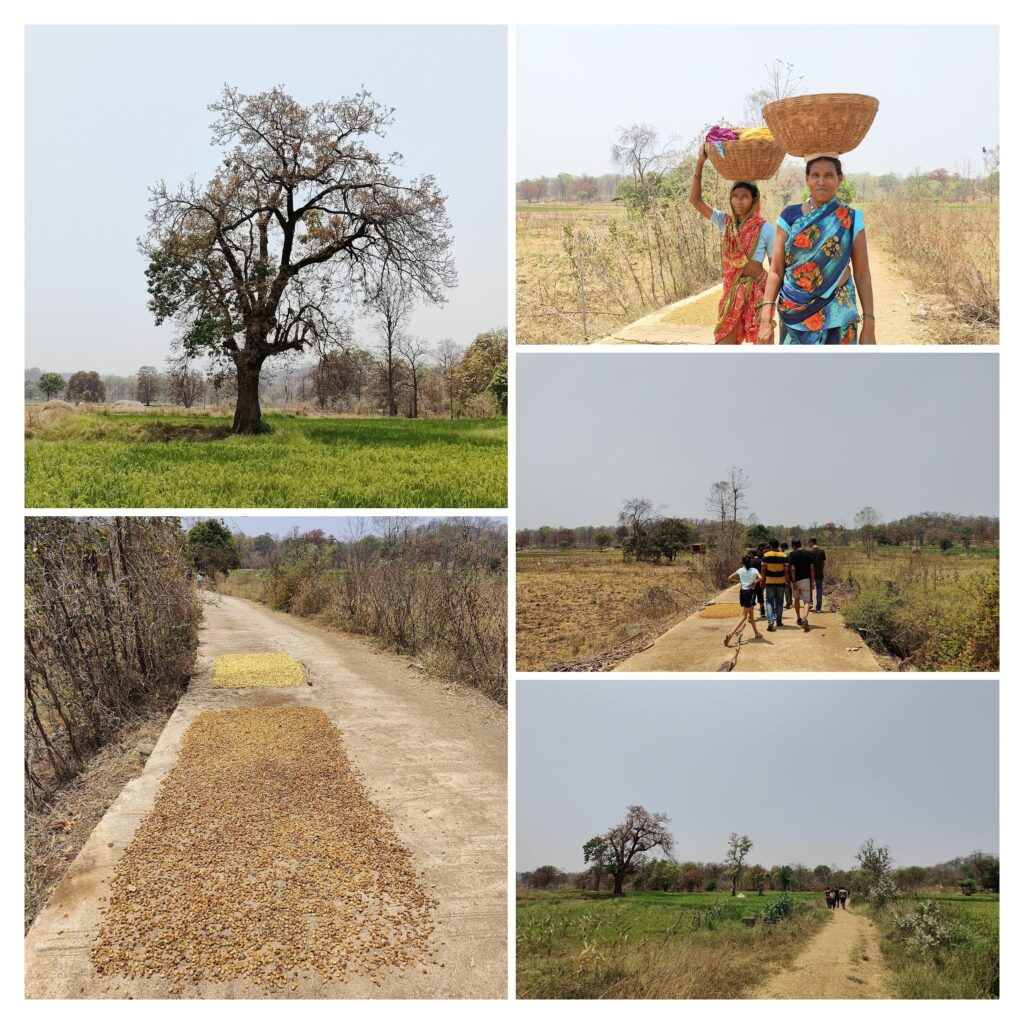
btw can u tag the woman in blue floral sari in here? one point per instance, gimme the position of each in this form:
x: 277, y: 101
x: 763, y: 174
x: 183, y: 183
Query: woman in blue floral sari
x: 819, y: 268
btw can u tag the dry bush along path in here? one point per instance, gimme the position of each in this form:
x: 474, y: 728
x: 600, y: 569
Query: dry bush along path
x: 696, y: 644
x: 843, y: 961
x: 691, y: 321
x: 339, y: 834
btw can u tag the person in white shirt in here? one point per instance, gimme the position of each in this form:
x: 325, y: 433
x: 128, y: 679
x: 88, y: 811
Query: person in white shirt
x: 748, y: 578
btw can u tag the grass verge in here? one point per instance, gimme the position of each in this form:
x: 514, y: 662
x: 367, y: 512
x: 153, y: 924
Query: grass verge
x: 653, y: 945
x: 943, y: 947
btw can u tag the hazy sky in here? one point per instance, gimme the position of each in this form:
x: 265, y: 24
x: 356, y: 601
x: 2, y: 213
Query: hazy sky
x: 904, y: 433
x: 281, y: 526
x: 937, y: 87
x: 807, y: 769
x: 110, y: 111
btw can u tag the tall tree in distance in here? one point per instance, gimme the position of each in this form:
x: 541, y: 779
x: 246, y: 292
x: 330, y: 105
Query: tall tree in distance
x: 51, y: 384
x: 392, y: 307
x: 867, y: 520
x: 739, y: 847
x: 86, y: 386
x: 147, y: 383
x: 300, y: 215
x: 413, y: 351
x: 628, y: 841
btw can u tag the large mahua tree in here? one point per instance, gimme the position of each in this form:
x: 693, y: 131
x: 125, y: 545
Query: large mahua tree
x: 300, y: 217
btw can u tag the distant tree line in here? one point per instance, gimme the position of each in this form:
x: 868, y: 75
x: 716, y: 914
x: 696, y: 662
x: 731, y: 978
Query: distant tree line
x: 945, y: 530
x: 414, y: 379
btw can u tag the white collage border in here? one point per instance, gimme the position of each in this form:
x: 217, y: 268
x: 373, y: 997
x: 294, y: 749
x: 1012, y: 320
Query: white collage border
x: 529, y: 12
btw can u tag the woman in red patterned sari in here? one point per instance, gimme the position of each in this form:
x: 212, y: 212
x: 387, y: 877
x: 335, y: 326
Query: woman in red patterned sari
x: 747, y: 240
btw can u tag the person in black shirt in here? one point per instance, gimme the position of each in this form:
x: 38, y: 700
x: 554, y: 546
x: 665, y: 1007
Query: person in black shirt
x: 789, y: 581
x: 801, y: 568
x: 818, y: 554
x: 755, y: 563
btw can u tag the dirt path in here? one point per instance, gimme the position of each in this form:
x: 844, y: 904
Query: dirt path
x: 690, y: 321
x: 695, y: 644
x: 843, y: 961
x: 431, y: 754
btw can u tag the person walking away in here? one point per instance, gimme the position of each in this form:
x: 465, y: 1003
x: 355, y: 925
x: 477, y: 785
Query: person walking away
x: 747, y: 576
x: 818, y: 554
x: 789, y: 583
x: 828, y: 898
x: 755, y: 563
x: 775, y: 572
x: 801, y: 566
x: 842, y: 894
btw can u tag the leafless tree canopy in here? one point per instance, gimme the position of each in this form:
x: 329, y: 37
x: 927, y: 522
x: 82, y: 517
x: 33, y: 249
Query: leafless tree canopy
x: 300, y: 215
x: 631, y: 839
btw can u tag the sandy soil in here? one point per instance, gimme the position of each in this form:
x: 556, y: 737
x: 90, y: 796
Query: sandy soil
x: 430, y: 753
x: 843, y: 961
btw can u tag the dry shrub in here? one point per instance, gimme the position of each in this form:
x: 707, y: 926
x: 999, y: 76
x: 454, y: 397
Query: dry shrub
x: 111, y: 621
x: 953, y: 250
x: 602, y: 272
x: 440, y: 595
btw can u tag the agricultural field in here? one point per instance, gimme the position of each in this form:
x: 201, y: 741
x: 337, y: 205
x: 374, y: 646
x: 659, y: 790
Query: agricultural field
x: 546, y: 280
x: 583, y: 271
x: 107, y: 459
x: 575, y: 605
x: 927, y: 609
x: 963, y: 931
x: 576, y: 945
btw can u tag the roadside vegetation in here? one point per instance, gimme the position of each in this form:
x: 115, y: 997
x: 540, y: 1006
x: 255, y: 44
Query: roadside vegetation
x: 655, y: 945
x: 111, y: 630
x: 435, y: 591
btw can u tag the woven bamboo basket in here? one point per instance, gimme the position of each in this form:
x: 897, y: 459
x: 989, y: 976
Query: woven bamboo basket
x: 746, y: 159
x: 827, y: 122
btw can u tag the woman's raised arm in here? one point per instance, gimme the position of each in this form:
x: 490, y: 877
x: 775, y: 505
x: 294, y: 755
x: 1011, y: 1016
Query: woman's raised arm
x: 696, y: 199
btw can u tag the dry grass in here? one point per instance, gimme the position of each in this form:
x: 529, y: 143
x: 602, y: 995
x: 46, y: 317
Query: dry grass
x: 55, y: 832
x: 233, y: 671
x: 578, y: 604
x: 583, y: 271
x: 649, y: 948
x: 951, y: 253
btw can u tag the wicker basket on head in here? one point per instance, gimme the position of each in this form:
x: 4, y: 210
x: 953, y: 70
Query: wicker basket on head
x: 827, y: 122
x: 746, y: 159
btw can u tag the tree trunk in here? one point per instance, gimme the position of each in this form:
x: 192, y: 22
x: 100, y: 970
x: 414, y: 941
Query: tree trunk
x: 619, y: 879
x: 247, y: 406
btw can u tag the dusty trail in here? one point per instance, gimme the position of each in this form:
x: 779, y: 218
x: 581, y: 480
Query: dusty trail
x: 690, y: 321
x: 695, y: 644
x: 843, y: 961
x: 432, y: 755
